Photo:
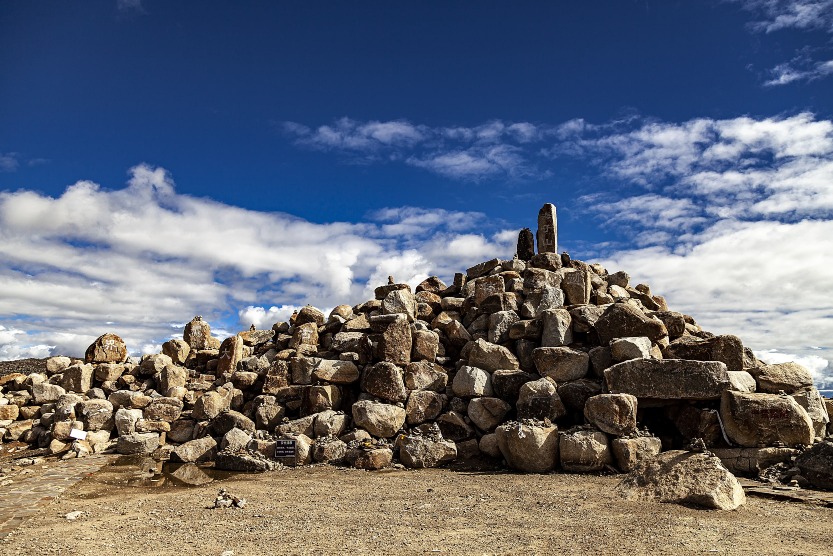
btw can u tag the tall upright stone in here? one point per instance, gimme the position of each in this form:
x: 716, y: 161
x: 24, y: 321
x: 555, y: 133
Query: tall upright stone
x: 547, y: 229
x: 526, y: 245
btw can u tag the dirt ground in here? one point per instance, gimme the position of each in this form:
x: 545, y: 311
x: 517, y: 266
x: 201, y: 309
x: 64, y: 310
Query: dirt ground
x: 327, y: 510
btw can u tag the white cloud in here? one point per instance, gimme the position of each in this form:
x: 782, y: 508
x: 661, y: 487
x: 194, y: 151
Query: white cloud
x: 9, y: 162
x: 129, y: 6
x: 492, y: 149
x: 136, y: 261
x: 789, y: 72
x: 732, y: 222
x: 791, y: 14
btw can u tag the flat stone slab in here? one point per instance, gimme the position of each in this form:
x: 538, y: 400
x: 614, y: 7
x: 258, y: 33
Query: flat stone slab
x: 668, y: 379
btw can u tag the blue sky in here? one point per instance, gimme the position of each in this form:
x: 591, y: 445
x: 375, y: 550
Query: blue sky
x: 164, y: 159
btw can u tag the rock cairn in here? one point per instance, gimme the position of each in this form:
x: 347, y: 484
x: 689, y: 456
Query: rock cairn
x: 542, y: 362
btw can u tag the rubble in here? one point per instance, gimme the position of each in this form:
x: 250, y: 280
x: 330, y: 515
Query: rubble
x: 542, y: 361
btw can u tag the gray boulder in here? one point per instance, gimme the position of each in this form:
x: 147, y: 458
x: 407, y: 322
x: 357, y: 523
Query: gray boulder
x: 668, y: 379
x: 529, y: 448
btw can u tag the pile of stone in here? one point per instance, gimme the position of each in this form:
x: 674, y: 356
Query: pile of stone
x: 541, y: 361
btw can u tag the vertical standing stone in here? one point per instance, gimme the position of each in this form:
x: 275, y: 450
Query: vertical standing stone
x: 547, y: 229
x: 526, y: 245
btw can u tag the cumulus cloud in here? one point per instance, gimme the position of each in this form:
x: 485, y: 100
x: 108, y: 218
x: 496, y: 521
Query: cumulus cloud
x: 141, y: 260
x: 731, y: 220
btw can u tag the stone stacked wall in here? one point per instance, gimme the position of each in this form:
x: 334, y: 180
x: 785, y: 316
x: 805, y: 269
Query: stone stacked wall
x: 541, y: 361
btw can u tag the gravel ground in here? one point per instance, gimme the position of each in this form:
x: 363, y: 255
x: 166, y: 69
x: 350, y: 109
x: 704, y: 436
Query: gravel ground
x: 25, y: 366
x: 327, y: 510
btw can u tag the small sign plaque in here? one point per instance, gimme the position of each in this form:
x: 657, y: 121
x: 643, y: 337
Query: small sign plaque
x: 285, y: 448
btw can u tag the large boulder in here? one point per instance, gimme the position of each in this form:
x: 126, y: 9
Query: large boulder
x: 385, y: 380
x: 561, y: 363
x: 728, y: 349
x: 538, y: 399
x: 763, y: 419
x: 491, y: 357
x: 783, y: 377
x: 612, y: 413
x: 621, y: 320
x: 107, y: 348
x: 336, y: 372
x: 584, y: 451
x: 530, y: 448
x: 197, y: 335
x: 557, y: 329
x: 630, y: 452
x: 668, y: 379
x: 137, y: 443
x: 423, y: 375
x: 472, y: 382
x: 816, y: 465
x: 424, y: 405
x: 685, y: 478
x: 199, y: 450
x: 379, y: 419
x: 421, y: 451
x: 487, y: 413
x: 816, y: 409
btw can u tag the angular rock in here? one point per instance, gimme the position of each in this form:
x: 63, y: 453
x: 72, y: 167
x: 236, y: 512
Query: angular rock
x: 77, y: 378
x: 400, y: 301
x: 612, y: 413
x: 741, y: 381
x: 243, y: 462
x: 96, y: 415
x: 44, y: 392
x: 454, y: 426
x: 727, y: 349
x: 685, y: 478
x: 561, y: 363
x: 195, y: 451
x: 814, y: 405
x: 526, y: 245
x: 107, y: 348
x: 224, y: 422
x: 197, y: 334
x: 491, y: 357
x: 329, y: 423
x: 584, y: 451
x: 425, y: 345
x: 396, y: 341
x: 231, y: 353
x: 576, y: 286
x: 125, y: 420
x: 420, y: 452
x: 574, y: 394
x: 539, y: 400
x: 529, y: 448
x: 370, y: 460
x: 164, y: 409
x: 783, y: 377
x: 137, y: 443
x: 635, y: 347
x: 547, y: 233
x: 328, y: 450
x: 753, y: 420
x: 235, y: 440
x: 213, y: 403
x: 472, y: 382
x: 487, y: 413
x: 423, y: 375
x: 499, y: 325
x: 315, y: 399
x: 631, y: 452
x: 177, y: 350
x: 816, y: 465
x: 385, y: 380
x: 305, y: 334
x: 379, y: 419
x: 751, y: 461
x: 668, y: 379
x: 424, y: 405
x: 622, y: 320
x: 557, y: 329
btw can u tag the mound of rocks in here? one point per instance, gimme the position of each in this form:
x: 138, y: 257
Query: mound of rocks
x: 542, y: 362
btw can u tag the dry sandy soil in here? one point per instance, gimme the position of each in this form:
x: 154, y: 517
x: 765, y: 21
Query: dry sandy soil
x: 327, y: 510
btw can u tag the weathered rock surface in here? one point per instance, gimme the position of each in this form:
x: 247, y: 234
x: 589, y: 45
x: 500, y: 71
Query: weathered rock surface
x: 685, y: 478
x: 530, y: 448
x: 753, y: 420
x: 668, y: 379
